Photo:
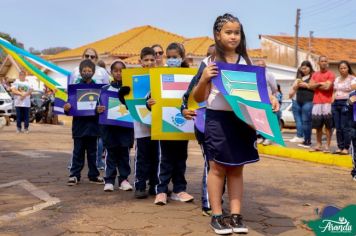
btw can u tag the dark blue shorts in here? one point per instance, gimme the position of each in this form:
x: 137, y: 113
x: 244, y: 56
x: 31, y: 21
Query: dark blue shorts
x: 229, y: 140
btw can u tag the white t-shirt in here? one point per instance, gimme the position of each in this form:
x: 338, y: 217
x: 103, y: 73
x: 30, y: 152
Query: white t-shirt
x: 216, y: 100
x: 22, y: 86
x: 141, y: 130
x: 101, y: 76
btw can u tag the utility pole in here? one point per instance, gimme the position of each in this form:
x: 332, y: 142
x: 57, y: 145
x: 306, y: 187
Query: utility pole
x: 310, y: 41
x: 296, y: 38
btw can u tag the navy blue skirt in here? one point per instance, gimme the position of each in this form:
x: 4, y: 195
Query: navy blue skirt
x: 229, y: 140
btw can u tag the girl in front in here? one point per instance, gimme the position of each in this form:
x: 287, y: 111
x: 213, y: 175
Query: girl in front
x: 230, y: 142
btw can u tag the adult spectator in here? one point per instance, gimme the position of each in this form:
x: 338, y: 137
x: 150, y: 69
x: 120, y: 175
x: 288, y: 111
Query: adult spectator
x: 101, y: 76
x: 322, y: 82
x: 159, y: 55
x: 302, y: 105
x: 341, y: 112
x: 22, y: 90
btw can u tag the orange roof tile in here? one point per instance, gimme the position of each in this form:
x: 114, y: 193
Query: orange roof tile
x: 198, y: 46
x: 129, y: 43
x: 335, y: 49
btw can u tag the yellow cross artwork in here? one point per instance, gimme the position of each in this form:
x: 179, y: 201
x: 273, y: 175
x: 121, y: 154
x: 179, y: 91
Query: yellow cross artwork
x: 122, y: 110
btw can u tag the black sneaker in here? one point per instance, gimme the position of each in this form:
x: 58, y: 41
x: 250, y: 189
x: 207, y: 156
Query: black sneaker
x: 72, y: 181
x: 97, y: 180
x: 237, y: 224
x: 140, y: 194
x: 206, y: 211
x: 219, y: 225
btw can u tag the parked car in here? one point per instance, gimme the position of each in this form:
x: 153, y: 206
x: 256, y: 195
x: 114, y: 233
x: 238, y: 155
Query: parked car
x: 6, y: 102
x: 287, y: 118
x: 36, y: 110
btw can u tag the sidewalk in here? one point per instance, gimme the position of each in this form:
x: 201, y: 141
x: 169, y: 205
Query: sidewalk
x: 293, y: 151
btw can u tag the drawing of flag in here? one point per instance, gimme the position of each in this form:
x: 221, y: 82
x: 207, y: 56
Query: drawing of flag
x: 117, y: 111
x: 242, y: 84
x: 141, y: 85
x: 87, y: 98
x: 256, y: 118
x: 173, y: 121
x: 174, y: 85
x: 139, y: 111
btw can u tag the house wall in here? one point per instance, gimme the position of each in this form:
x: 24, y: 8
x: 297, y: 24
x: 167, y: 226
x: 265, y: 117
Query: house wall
x: 12, y: 74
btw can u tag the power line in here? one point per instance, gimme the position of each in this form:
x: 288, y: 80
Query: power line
x: 326, y: 8
x: 326, y: 21
x: 316, y: 5
x: 335, y: 26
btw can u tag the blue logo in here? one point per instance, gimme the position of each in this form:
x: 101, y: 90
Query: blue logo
x: 178, y: 120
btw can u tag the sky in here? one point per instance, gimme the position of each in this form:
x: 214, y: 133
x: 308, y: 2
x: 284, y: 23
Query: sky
x: 73, y: 23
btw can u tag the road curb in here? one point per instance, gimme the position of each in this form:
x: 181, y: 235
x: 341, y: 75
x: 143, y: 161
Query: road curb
x: 305, y: 155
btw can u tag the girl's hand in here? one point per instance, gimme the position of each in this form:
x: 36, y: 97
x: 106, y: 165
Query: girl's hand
x: 209, y: 72
x: 188, y: 114
x: 353, y: 99
x: 274, y: 103
x: 67, y: 107
x: 100, y: 109
x: 151, y: 102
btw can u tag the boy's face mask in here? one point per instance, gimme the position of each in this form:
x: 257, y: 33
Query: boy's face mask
x: 174, y: 62
x: 87, y: 76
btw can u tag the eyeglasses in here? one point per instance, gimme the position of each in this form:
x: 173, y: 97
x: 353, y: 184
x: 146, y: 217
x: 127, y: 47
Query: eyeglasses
x: 159, y: 53
x: 91, y: 56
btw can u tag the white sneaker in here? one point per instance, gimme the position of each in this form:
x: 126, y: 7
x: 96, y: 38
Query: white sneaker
x: 267, y: 142
x: 125, y: 185
x: 296, y: 140
x: 108, y: 188
x: 182, y: 197
x: 27, y: 131
x: 354, y: 178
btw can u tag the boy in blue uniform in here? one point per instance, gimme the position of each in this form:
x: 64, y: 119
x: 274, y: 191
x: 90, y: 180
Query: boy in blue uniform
x: 146, y: 159
x: 85, y: 132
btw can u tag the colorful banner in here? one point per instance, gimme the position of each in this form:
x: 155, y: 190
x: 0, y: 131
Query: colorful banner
x: 167, y: 87
x: 139, y: 111
x: 22, y: 57
x: 245, y: 89
x: 115, y: 112
x: 83, y: 99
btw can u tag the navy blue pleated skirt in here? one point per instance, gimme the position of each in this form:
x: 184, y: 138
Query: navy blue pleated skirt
x: 229, y: 140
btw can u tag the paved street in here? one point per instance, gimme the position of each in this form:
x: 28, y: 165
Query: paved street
x: 34, y: 198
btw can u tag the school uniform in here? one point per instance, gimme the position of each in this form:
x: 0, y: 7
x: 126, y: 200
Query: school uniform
x: 117, y: 141
x: 85, y: 132
x: 146, y: 159
x: 229, y: 141
x: 199, y: 135
x: 172, y: 157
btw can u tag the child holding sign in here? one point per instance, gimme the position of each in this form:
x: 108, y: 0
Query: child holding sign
x: 116, y: 139
x: 230, y: 142
x: 174, y: 154
x: 85, y: 132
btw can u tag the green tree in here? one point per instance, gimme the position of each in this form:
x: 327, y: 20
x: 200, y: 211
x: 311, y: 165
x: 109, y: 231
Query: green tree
x: 12, y: 40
